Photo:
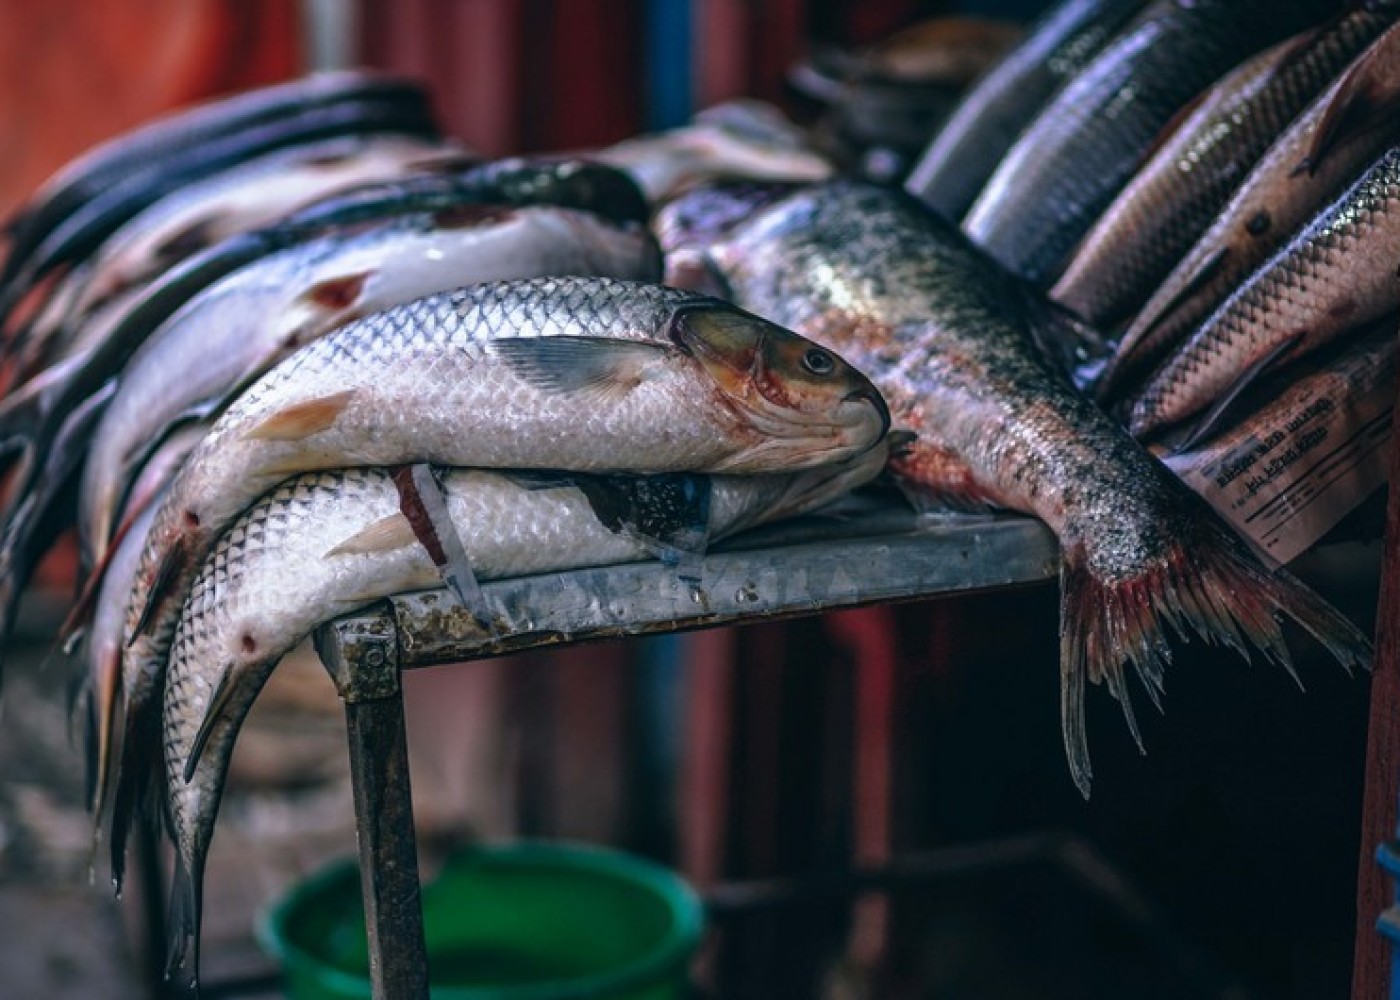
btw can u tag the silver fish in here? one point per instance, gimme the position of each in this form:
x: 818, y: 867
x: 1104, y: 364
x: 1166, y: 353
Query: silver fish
x: 350, y: 544
x: 240, y: 327
x: 1334, y: 275
x: 582, y: 374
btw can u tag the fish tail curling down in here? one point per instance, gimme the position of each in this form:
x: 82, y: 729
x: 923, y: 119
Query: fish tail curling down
x: 1207, y: 583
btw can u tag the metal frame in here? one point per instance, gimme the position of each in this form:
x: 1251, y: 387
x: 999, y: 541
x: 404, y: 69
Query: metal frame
x: 797, y: 569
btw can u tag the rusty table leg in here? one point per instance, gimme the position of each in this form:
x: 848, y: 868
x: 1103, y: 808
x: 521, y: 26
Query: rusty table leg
x: 362, y: 657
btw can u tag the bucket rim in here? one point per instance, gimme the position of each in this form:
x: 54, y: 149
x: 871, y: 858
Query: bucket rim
x: 675, y: 947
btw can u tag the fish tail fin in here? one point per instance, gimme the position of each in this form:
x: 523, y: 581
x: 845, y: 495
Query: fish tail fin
x: 136, y: 794
x: 1208, y: 584
x: 183, y: 923
x: 105, y: 691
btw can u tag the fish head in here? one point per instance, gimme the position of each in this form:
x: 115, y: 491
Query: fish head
x: 805, y: 403
x: 703, y: 215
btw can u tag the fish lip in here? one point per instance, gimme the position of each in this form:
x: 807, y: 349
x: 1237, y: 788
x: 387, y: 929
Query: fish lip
x: 872, y: 396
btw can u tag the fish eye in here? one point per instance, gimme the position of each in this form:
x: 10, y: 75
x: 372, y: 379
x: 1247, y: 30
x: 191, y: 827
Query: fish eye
x: 818, y: 362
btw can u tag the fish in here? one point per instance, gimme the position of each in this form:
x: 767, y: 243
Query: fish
x: 35, y: 418
x: 1084, y: 146
x: 1337, y: 273
x: 877, y: 276
x: 579, y: 374
x: 1337, y: 137
x: 745, y: 139
x: 251, y: 195
x: 687, y: 225
x: 239, y: 328
x: 344, y: 532
x: 92, y: 222
x: 967, y: 147
x: 235, y: 330
x: 182, y: 132
x: 1176, y: 194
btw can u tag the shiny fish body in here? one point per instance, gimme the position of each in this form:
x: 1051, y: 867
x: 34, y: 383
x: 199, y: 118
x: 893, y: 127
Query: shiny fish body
x: 583, y: 374
x: 737, y: 139
x: 91, y: 223
x: 988, y: 119
x: 930, y: 319
x: 1179, y: 191
x: 234, y: 331
x: 245, y: 611
x: 181, y: 133
x: 249, y: 196
x: 1291, y: 183
x: 1335, y: 274
x: 1084, y: 146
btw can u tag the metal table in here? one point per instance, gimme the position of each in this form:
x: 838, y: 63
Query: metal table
x: 866, y: 553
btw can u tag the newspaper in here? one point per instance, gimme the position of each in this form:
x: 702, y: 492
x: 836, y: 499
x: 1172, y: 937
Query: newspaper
x: 1287, y: 474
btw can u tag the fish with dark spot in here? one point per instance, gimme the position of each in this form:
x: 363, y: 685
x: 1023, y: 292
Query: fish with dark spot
x: 861, y: 269
x: 1070, y: 163
x: 1335, y: 274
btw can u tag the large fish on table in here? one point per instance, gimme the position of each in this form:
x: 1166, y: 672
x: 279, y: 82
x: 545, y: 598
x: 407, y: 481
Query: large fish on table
x: 1085, y: 145
x: 239, y: 328
x: 970, y: 144
x: 1336, y: 273
x: 1179, y: 191
x: 880, y: 278
x: 582, y: 374
x: 35, y: 419
x: 344, y: 533
x: 1325, y: 149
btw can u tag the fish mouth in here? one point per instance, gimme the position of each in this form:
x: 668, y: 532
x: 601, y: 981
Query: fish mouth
x: 872, y: 396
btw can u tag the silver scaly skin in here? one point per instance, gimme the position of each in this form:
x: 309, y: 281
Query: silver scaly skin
x: 234, y: 331
x: 968, y: 146
x: 581, y: 374
x: 249, y: 195
x: 1335, y: 274
x: 1070, y: 163
x: 245, y: 611
x: 1179, y: 191
x: 1314, y: 160
x: 883, y: 280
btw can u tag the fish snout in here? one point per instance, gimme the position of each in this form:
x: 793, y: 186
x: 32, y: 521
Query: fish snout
x: 871, y: 396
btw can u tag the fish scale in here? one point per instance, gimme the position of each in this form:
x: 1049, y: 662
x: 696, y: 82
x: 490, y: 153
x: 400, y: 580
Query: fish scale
x: 1175, y: 195
x: 1081, y: 150
x: 584, y: 374
x: 1337, y: 273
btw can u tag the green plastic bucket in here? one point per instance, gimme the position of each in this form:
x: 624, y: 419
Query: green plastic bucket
x: 526, y: 921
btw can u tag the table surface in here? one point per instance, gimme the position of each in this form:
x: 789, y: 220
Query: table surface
x: 867, y: 551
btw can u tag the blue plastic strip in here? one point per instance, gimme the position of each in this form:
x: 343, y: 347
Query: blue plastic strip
x: 669, y: 58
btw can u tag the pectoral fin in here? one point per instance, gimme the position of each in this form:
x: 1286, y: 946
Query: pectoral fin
x: 301, y: 420
x: 1368, y: 96
x: 385, y: 535
x: 589, y: 365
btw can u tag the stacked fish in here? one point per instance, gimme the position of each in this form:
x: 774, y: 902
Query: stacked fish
x: 282, y: 396
x: 287, y: 354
